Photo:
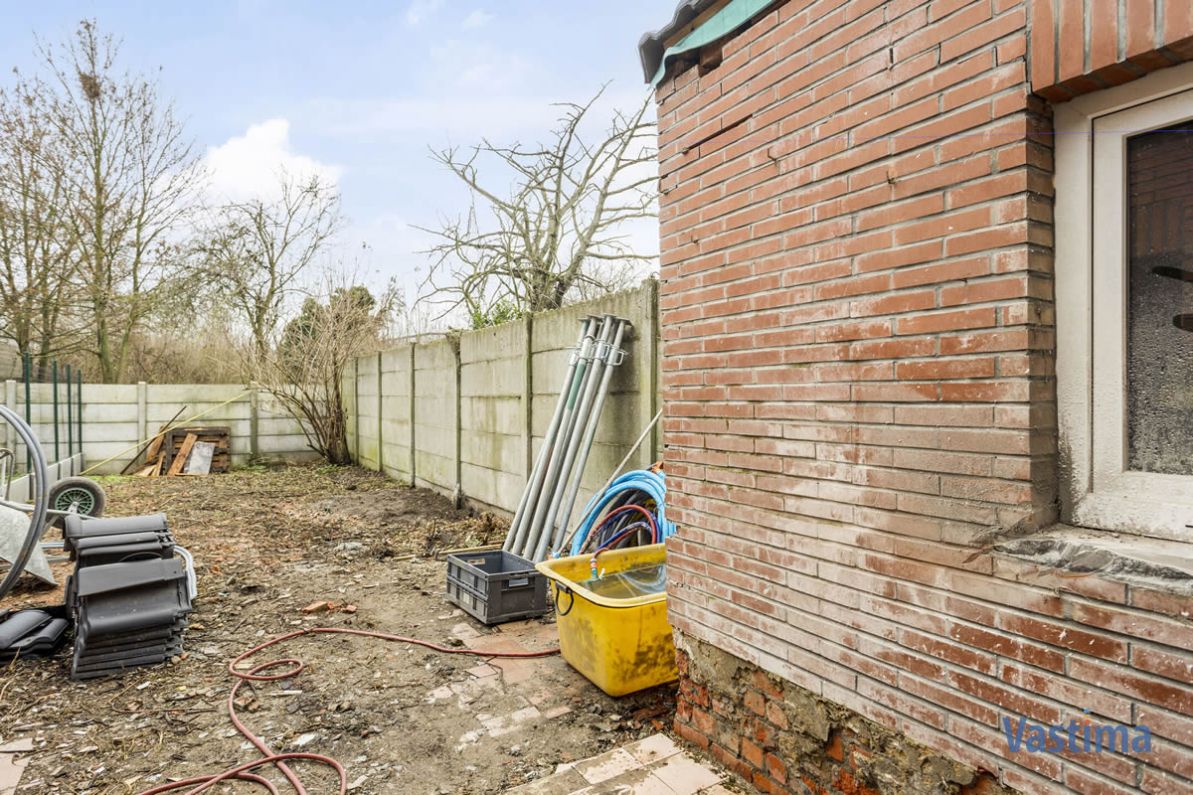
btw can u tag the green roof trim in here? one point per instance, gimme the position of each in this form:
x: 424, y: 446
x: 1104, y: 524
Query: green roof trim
x: 720, y: 25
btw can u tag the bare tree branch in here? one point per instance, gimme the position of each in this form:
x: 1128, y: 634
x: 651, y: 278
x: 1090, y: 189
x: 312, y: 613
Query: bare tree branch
x: 258, y: 250
x: 130, y: 174
x: 569, y: 200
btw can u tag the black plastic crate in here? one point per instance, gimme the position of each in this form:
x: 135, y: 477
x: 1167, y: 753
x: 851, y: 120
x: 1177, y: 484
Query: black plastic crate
x: 496, y: 586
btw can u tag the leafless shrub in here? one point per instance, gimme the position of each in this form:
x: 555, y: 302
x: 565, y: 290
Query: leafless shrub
x: 305, y: 371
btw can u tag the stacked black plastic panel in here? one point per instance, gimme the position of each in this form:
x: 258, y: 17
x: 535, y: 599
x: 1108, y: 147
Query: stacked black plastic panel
x: 128, y: 594
x: 32, y: 632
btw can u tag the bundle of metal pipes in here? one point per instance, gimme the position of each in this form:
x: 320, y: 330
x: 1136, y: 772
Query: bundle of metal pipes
x: 541, y: 520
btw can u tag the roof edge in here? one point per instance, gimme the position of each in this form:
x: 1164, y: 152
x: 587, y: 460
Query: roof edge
x: 651, y: 46
x: 730, y: 17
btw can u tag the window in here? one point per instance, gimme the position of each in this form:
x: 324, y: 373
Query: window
x: 1124, y: 292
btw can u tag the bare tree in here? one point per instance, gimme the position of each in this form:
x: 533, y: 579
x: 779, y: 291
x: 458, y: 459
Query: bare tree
x: 130, y: 178
x: 305, y: 371
x: 259, y: 249
x: 37, y: 244
x: 568, y: 209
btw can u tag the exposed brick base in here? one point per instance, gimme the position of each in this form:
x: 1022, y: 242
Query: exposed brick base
x: 783, y: 739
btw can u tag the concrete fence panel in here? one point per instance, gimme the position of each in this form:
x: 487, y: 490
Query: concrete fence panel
x: 492, y: 438
x: 467, y: 415
x: 397, y: 370
x: 117, y: 418
x: 436, y: 415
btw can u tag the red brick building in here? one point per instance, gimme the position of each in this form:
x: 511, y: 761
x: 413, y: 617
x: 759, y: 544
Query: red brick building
x: 927, y: 309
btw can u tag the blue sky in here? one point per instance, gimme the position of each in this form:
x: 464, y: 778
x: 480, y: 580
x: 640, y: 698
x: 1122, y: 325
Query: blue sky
x: 360, y: 90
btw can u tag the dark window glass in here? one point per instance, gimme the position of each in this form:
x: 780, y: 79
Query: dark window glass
x: 1160, y: 301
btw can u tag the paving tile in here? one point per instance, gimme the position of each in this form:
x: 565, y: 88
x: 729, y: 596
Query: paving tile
x: 563, y: 783
x: 555, y: 712
x: 493, y: 643
x: 515, y: 672
x: 607, y: 765
x: 652, y: 749
x: 481, y: 671
x: 21, y: 746
x: 667, y: 770
x: 632, y: 782
x: 685, y: 775
x: 464, y: 631
x: 11, y: 768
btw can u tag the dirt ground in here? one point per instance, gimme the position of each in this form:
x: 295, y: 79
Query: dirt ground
x: 401, y: 719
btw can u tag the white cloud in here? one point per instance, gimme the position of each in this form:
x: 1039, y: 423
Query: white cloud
x: 477, y: 19
x: 252, y: 165
x: 419, y: 10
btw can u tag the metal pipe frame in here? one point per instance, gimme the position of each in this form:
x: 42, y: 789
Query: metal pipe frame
x: 600, y: 355
x: 567, y: 424
x: 517, y: 535
x: 613, y: 359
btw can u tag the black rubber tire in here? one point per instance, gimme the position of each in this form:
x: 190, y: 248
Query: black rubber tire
x: 84, y: 494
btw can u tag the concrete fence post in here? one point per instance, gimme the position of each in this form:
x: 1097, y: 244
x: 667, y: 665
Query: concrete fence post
x: 254, y: 420
x: 528, y: 396
x: 645, y: 353
x: 356, y: 410
x: 142, y: 410
x: 459, y: 423
x: 380, y: 418
x: 413, y: 396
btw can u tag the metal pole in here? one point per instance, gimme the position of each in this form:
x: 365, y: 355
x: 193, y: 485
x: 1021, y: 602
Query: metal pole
x: 512, y: 539
x: 70, y: 423
x: 534, y: 489
x: 555, y: 459
x: 79, y: 413
x: 559, y: 448
x: 28, y: 410
x: 613, y: 359
x: 600, y: 355
x: 54, y: 381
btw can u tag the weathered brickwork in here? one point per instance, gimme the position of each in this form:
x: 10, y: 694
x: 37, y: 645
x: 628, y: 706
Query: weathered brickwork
x: 857, y: 317
x: 781, y: 738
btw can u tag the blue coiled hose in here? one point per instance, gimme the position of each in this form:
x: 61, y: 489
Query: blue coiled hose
x: 644, y: 480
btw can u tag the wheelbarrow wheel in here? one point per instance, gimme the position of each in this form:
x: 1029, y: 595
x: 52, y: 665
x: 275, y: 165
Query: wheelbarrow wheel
x: 76, y: 495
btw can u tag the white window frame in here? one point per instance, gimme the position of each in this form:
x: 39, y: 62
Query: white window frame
x: 1090, y: 257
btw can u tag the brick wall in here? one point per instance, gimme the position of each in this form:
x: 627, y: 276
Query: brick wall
x: 857, y: 313
x: 1078, y: 47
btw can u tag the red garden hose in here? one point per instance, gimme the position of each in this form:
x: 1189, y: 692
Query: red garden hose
x: 293, y: 666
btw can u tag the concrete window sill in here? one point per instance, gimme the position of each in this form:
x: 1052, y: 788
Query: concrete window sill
x: 1148, y: 562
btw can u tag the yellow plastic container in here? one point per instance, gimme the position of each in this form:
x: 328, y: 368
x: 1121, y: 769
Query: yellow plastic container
x: 621, y: 645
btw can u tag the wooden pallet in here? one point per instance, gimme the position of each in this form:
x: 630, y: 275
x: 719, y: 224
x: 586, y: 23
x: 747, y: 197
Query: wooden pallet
x: 173, y: 441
